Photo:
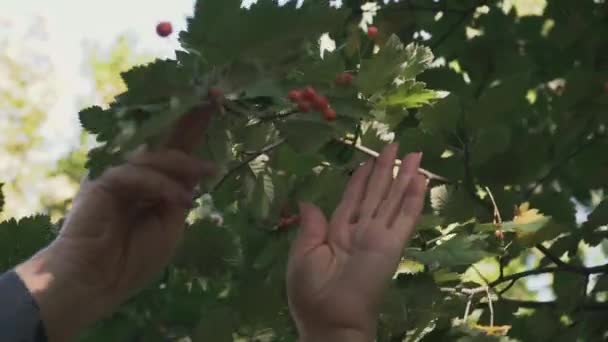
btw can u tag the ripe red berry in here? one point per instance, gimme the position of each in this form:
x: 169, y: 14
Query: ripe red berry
x: 372, y: 31
x: 304, y: 106
x: 320, y: 103
x: 345, y: 79
x: 329, y: 114
x: 164, y: 28
x: 295, y: 219
x: 309, y: 93
x: 295, y: 95
x: 216, y: 93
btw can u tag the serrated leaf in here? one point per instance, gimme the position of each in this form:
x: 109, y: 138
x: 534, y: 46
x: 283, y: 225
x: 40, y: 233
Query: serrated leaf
x: 154, y: 82
x: 568, y: 288
x: 442, y: 117
x: 419, y: 59
x: 410, y: 94
x: 20, y: 239
x: 305, y: 136
x: 207, y: 249
x: 265, y: 31
x: 458, y: 251
x: 383, y: 68
x: 101, y: 122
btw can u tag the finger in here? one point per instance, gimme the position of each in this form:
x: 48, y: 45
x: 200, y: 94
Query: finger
x: 353, y: 195
x: 380, y: 181
x: 313, y: 230
x: 136, y: 183
x: 392, y: 204
x: 188, y: 132
x: 176, y: 164
x: 412, y: 205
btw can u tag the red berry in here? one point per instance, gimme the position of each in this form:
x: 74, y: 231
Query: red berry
x: 295, y: 95
x: 345, y: 79
x: 329, y: 114
x: 372, y: 31
x: 304, y: 106
x: 164, y: 28
x: 216, y: 94
x: 292, y: 220
x: 320, y: 103
x: 500, y: 235
x: 309, y: 93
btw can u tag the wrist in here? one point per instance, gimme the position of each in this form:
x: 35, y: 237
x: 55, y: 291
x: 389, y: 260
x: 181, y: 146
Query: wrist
x: 67, y: 306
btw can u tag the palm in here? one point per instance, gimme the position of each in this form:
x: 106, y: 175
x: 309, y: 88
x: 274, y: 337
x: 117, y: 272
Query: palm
x: 339, y: 269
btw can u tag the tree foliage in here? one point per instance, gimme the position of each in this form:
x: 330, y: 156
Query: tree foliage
x: 508, y: 109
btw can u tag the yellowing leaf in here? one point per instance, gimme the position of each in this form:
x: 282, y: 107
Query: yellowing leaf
x: 496, y: 330
x: 409, y: 266
x: 524, y: 215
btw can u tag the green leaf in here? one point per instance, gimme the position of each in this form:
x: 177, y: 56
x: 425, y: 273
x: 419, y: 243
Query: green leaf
x: 569, y: 289
x: 223, y: 31
x: 154, y: 82
x: 458, y: 251
x: 410, y: 94
x: 419, y: 59
x: 305, y: 136
x: 207, y: 249
x: 263, y: 196
x: 384, y: 67
x: 101, y: 122
x: 497, y: 102
x: 489, y: 142
x: 442, y: 117
x: 20, y: 239
x: 454, y: 203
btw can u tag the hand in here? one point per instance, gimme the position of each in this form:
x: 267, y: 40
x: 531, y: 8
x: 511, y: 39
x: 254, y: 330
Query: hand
x: 339, y: 270
x: 120, y: 233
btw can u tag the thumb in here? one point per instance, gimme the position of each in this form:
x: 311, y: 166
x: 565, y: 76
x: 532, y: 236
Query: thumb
x: 313, y: 228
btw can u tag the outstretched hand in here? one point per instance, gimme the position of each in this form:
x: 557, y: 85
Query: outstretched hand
x: 339, y: 269
x: 120, y: 233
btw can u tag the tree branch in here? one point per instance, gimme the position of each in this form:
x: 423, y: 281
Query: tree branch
x: 557, y: 261
x: 588, y: 306
x: 374, y: 154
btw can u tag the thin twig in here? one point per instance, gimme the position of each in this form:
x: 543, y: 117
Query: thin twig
x: 467, y: 308
x: 464, y: 16
x: 372, y: 153
x: 557, y: 261
x: 246, y: 162
x: 490, y: 306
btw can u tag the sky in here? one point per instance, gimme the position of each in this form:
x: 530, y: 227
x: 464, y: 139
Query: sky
x: 71, y: 23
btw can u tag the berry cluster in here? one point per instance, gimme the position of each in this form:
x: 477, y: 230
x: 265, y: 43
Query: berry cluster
x: 307, y: 99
